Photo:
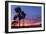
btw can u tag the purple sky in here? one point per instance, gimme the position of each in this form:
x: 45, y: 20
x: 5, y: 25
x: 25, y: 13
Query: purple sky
x: 32, y: 12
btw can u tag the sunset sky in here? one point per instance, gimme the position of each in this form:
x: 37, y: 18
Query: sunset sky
x: 33, y: 13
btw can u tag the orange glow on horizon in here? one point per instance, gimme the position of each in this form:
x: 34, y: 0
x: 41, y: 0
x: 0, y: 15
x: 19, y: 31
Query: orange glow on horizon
x: 26, y: 23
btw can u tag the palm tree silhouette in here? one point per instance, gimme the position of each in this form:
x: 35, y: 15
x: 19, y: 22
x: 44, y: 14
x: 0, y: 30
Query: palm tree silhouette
x: 23, y: 16
x: 20, y: 14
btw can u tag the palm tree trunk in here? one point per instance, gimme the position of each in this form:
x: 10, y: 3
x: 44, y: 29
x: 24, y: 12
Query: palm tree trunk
x: 23, y: 22
x: 19, y: 23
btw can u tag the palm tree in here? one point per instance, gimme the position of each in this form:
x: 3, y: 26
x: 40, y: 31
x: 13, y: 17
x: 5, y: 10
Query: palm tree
x: 21, y: 14
x: 18, y: 11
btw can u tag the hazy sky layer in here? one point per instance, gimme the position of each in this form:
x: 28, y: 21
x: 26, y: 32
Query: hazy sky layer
x: 32, y: 12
